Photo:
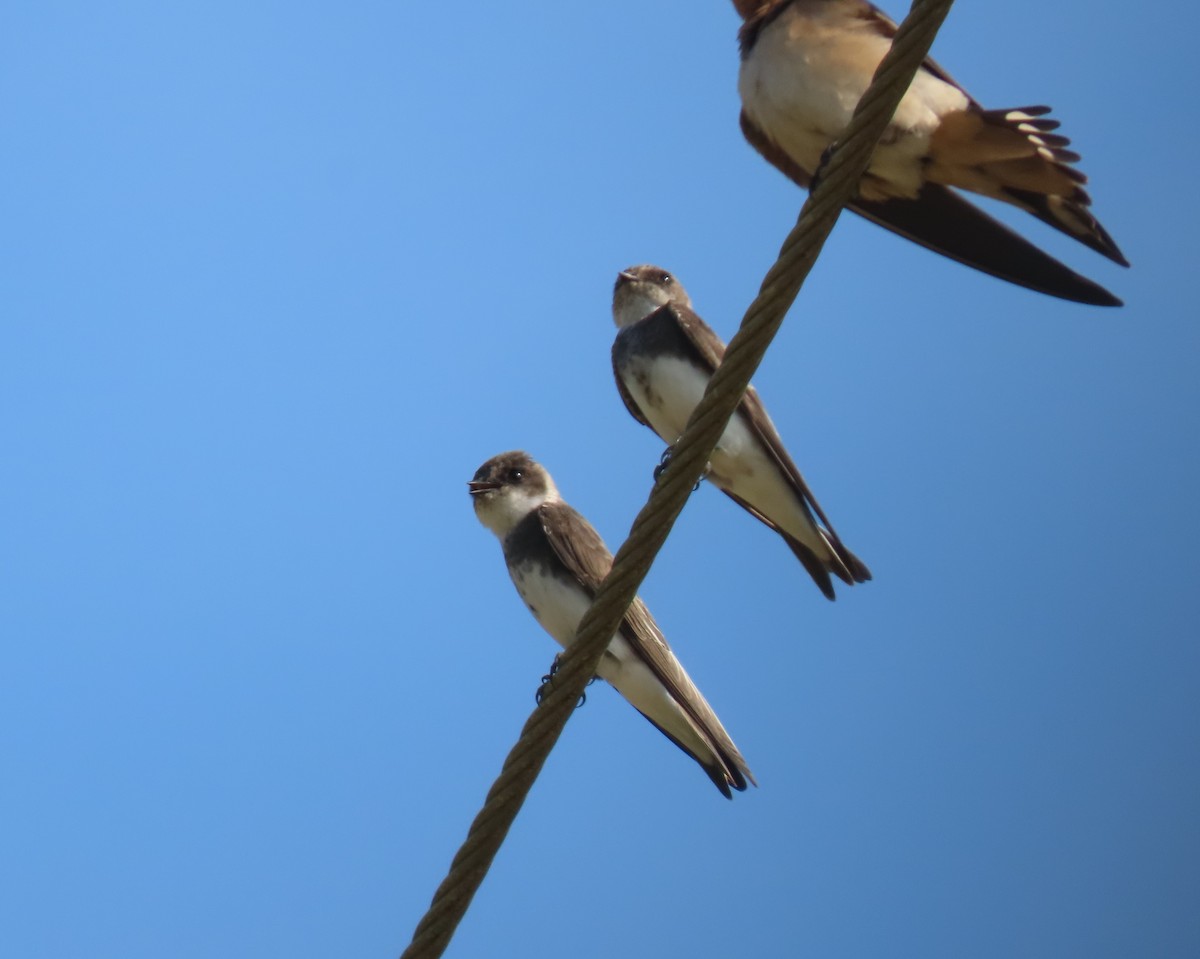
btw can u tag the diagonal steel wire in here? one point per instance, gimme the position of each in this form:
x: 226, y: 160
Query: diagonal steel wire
x: 844, y: 168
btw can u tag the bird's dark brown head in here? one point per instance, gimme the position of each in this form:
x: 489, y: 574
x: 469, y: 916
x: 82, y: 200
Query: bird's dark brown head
x: 507, y: 487
x: 640, y: 290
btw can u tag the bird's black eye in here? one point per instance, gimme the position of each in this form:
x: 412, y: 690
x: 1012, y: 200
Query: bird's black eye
x: 666, y: 278
x: 515, y: 475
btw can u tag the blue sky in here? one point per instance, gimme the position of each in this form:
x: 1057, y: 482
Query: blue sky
x: 279, y: 277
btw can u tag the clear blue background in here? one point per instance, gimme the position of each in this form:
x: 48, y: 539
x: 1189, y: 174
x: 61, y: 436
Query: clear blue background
x: 277, y: 277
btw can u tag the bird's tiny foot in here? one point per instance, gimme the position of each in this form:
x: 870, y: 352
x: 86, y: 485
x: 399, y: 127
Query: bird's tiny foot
x: 544, y: 689
x: 665, y: 461
x: 821, y: 164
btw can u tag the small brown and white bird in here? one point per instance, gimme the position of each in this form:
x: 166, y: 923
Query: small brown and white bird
x: 557, y: 561
x: 663, y: 358
x: 804, y: 66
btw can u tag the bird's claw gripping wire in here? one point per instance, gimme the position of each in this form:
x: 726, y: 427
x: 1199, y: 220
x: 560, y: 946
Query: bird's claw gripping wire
x: 543, y: 690
x: 821, y: 165
x: 665, y: 461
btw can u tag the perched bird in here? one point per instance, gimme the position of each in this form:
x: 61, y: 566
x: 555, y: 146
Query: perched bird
x: 557, y: 562
x: 663, y: 358
x: 805, y: 65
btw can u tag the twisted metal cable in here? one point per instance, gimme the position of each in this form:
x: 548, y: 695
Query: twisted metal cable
x: 845, y: 166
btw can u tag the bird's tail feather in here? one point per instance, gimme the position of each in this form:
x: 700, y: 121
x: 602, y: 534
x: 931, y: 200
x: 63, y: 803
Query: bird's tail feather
x: 942, y: 221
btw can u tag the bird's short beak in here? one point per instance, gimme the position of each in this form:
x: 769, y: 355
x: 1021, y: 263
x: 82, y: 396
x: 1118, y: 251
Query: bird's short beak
x: 475, y: 487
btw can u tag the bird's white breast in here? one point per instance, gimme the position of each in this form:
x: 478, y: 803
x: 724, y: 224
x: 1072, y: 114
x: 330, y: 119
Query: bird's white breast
x: 557, y: 604
x: 667, y: 390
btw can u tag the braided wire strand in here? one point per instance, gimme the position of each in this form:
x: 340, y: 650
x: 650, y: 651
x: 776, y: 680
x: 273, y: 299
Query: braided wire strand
x: 845, y: 166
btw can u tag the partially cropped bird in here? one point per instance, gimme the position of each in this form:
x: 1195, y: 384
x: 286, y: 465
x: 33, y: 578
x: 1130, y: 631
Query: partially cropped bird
x: 805, y: 65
